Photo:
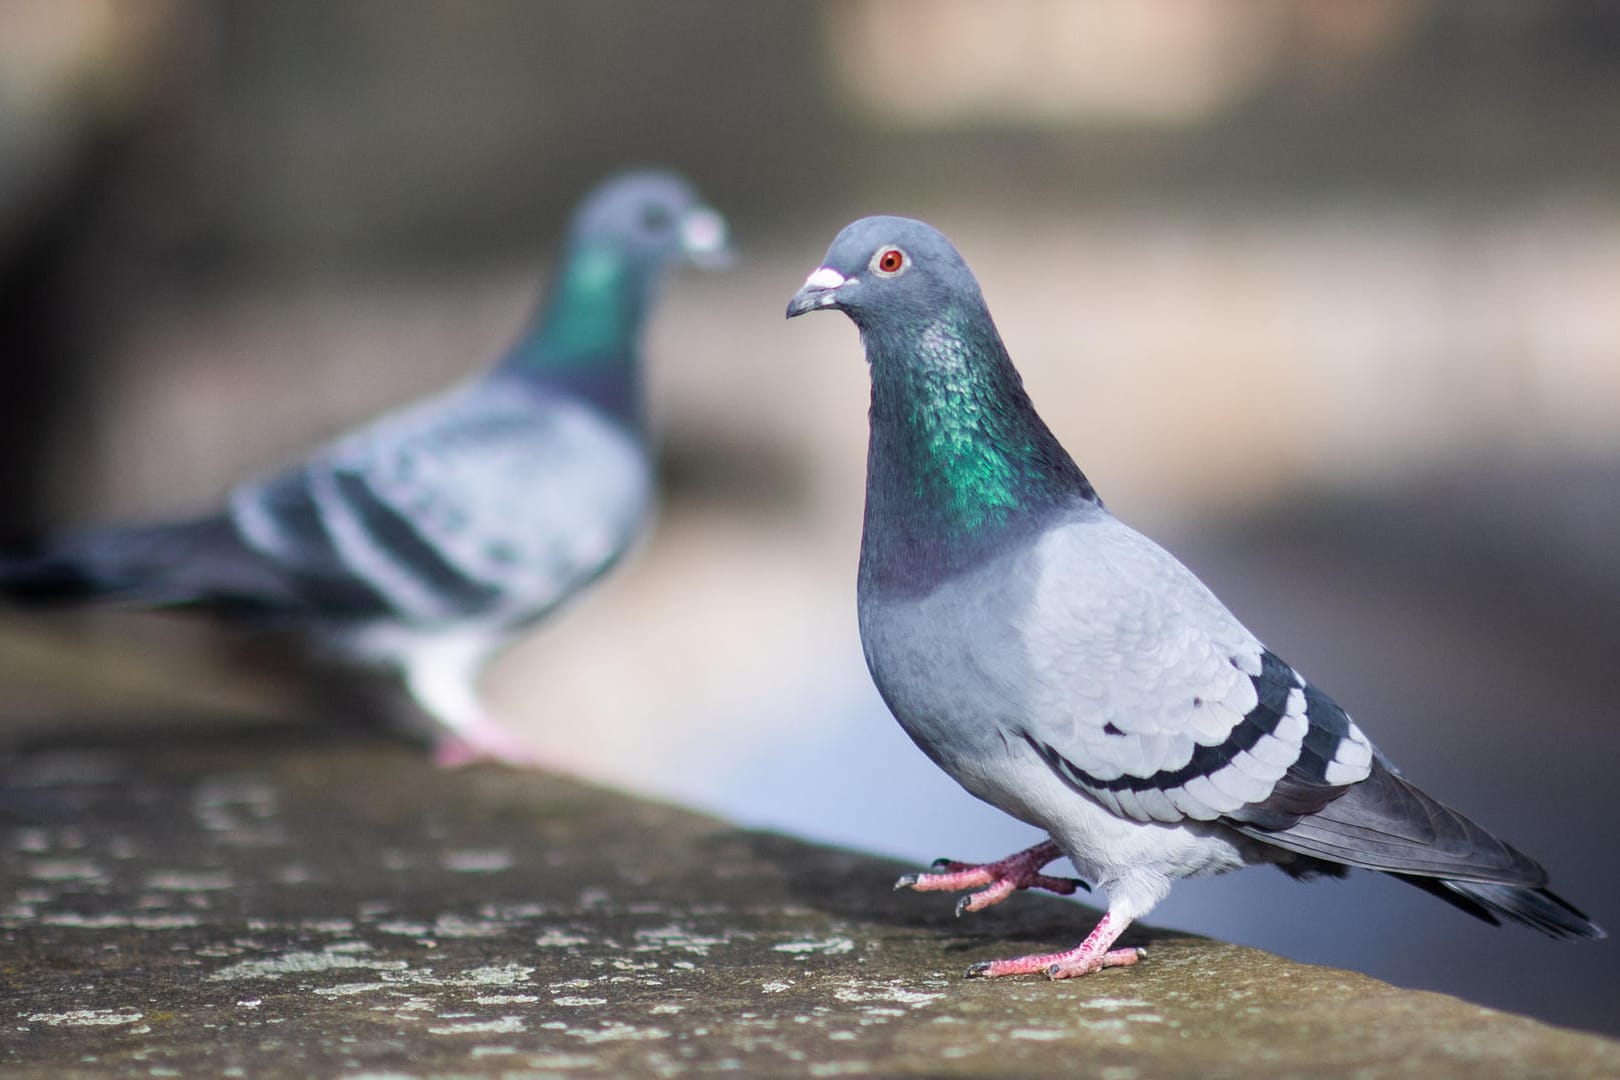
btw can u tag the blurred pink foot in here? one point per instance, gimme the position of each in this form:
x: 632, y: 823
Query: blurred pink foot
x: 484, y: 740
x: 1091, y: 955
x: 1000, y: 879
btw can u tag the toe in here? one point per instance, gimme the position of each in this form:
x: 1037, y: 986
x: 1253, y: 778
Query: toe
x: 453, y: 753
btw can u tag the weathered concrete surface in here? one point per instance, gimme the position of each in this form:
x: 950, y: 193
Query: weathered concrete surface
x: 272, y: 903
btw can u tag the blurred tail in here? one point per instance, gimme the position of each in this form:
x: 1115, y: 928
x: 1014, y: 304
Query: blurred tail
x: 45, y: 573
x: 152, y: 565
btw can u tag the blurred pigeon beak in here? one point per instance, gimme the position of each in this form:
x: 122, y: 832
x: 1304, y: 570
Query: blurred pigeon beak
x: 703, y: 239
x: 820, y: 290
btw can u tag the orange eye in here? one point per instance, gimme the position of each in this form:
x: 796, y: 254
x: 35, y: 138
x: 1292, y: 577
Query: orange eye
x: 889, y: 261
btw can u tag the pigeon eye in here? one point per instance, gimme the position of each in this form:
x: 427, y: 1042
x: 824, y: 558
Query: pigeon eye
x: 655, y: 218
x: 889, y: 261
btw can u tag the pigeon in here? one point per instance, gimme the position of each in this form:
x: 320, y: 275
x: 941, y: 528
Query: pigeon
x: 426, y: 540
x: 1065, y: 668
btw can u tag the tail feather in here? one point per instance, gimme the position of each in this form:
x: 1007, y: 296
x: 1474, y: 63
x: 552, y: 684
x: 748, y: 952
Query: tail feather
x: 41, y: 579
x: 1386, y: 823
x: 1539, y: 909
x: 192, y: 562
x: 66, y: 571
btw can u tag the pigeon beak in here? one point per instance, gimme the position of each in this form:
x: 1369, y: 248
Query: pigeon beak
x: 820, y: 290
x: 704, y: 240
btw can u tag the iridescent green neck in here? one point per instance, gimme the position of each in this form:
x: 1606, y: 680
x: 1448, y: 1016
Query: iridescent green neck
x: 593, y: 312
x: 959, y: 461
x: 585, y: 337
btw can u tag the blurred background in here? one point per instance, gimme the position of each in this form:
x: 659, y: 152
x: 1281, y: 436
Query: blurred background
x: 1324, y: 296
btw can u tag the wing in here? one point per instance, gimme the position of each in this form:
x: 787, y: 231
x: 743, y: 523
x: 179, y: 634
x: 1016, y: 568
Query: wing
x: 1386, y: 823
x: 493, y: 499
x: 1167, y: 709
x: 1154, y: 700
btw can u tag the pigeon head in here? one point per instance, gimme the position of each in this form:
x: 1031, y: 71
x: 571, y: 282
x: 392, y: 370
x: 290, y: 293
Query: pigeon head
x: 892, y: 273
x: 649, y: 219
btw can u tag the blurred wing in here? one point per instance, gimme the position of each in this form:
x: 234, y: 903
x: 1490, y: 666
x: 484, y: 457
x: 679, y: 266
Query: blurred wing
x: 490, y: 500
x: 1151, y: 698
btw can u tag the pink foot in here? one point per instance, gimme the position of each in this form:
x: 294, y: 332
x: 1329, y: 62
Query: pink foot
x: 1090, y: 956
x: 483, y: 741
x: 999, y: 879
x: 449, y: 752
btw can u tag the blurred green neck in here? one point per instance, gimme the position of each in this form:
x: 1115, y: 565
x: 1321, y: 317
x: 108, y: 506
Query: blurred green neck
x: 592, y: 316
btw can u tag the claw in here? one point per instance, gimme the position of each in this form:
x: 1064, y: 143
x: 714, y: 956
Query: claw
x: 1063, y: 886
x: 981, y: 970
x: 940, y: 865
x: 906, y: 881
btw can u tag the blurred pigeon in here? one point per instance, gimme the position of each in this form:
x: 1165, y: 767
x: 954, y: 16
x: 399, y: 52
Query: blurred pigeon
x: 1066, y: 669
x: 427, y: 539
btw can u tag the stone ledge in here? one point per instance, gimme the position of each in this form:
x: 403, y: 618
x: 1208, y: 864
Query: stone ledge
x: 271, y: 903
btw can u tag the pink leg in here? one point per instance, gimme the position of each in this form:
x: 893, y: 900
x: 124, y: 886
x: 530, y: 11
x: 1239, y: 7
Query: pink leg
x: 444, y: 685
x: 1000, y: 879
x: 1091, y: 955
